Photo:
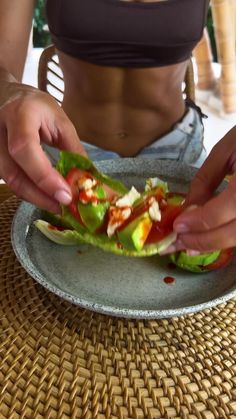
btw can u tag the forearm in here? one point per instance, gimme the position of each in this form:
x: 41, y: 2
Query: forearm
x: 6, y: 76
x: 11, y: 88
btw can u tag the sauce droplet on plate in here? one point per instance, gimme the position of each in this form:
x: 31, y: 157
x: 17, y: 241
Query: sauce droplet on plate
x: 169, y: 279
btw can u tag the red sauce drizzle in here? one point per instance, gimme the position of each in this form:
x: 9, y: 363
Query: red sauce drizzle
x: 83, y: 197
x: 59, y: 228
x: 141, y: 209
x: 169, y: 279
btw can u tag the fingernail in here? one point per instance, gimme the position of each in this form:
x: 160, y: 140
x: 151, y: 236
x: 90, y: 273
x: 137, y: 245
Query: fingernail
x: 173, y: 247
x: 191, y: 207
x: 170, y: 249
x: 63, y: 197
x: 181, y: 227
x: 191, y: 252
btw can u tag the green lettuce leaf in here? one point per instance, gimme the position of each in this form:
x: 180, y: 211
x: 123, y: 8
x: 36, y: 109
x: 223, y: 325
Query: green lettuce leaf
x: 72, y: 237
x: 65, y: 237
x: 69, y: 161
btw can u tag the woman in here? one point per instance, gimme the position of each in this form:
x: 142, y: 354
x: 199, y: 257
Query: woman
x: 123, y: 62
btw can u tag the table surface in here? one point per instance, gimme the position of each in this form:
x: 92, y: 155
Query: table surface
x: 5, y: 192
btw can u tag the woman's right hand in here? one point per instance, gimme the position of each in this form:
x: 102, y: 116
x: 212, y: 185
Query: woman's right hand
x: 29, y: 117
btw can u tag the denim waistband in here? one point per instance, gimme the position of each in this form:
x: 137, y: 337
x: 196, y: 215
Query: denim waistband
x: 184, y: 142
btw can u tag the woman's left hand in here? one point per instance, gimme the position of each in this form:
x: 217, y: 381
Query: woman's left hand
x: 209, y: 222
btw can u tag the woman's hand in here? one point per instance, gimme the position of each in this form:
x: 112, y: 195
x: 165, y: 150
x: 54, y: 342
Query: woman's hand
x: 209, y: 223
x: 29, y: 117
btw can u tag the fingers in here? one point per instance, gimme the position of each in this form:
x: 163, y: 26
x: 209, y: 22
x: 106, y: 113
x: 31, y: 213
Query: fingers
x: 219, y: 163
x: 25, y: 149
x: 216, y: 212
x: 219, y: 238
x: 25, y: 122
x: 207, y: 228
x: 67, y: 138
x: 210, y: 224
x: 21, y: 184
x: 212, y: 211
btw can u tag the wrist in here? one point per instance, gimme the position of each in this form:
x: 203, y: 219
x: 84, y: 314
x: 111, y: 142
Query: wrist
x: 11, y: 89
x: 5, y: 76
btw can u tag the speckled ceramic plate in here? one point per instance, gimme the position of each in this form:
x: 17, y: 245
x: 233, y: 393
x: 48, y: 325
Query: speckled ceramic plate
x: 120, y: 285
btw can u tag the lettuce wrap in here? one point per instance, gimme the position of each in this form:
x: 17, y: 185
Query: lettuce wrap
x: 106, y: 214
x: 85, y: 220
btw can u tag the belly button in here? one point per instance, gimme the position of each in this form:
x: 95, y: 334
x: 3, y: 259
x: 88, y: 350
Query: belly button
x: 122, y: 134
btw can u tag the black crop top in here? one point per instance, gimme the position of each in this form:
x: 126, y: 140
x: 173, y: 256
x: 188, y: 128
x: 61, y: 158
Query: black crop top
x: 127, y: 34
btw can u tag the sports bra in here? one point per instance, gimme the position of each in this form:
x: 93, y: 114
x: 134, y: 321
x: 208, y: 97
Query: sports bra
x: 127, y: 34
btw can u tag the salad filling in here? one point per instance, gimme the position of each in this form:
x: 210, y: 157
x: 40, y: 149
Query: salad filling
x: 105, y: 213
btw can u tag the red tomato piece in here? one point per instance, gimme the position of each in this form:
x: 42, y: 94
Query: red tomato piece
x: 72, y: 179
x: 169, y: 214
x: 141, y: 209
x: 75, y: 174
x: 223, y: 260
x: 161, y: 229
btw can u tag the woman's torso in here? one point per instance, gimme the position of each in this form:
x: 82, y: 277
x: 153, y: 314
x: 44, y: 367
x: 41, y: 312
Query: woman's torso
x: 121, y: 108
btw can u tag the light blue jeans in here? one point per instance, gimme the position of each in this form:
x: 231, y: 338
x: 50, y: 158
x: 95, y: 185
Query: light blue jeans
x: 183, y: 143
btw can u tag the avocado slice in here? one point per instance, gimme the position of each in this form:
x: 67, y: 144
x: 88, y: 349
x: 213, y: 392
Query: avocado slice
x: 193, y: 263
x: 134, y: 235
x: 93, y: 215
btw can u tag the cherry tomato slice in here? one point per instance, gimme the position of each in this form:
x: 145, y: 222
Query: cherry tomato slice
x: 223, y: 260
x: 161, y: 229
x: 72, y: 178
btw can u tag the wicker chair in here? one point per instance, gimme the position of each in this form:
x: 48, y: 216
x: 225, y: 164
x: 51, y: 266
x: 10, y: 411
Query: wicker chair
x: 50, y: 77
x: 223, y: 87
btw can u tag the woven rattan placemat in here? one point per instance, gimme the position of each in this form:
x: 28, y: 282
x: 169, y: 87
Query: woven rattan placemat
x: 58, y: 361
